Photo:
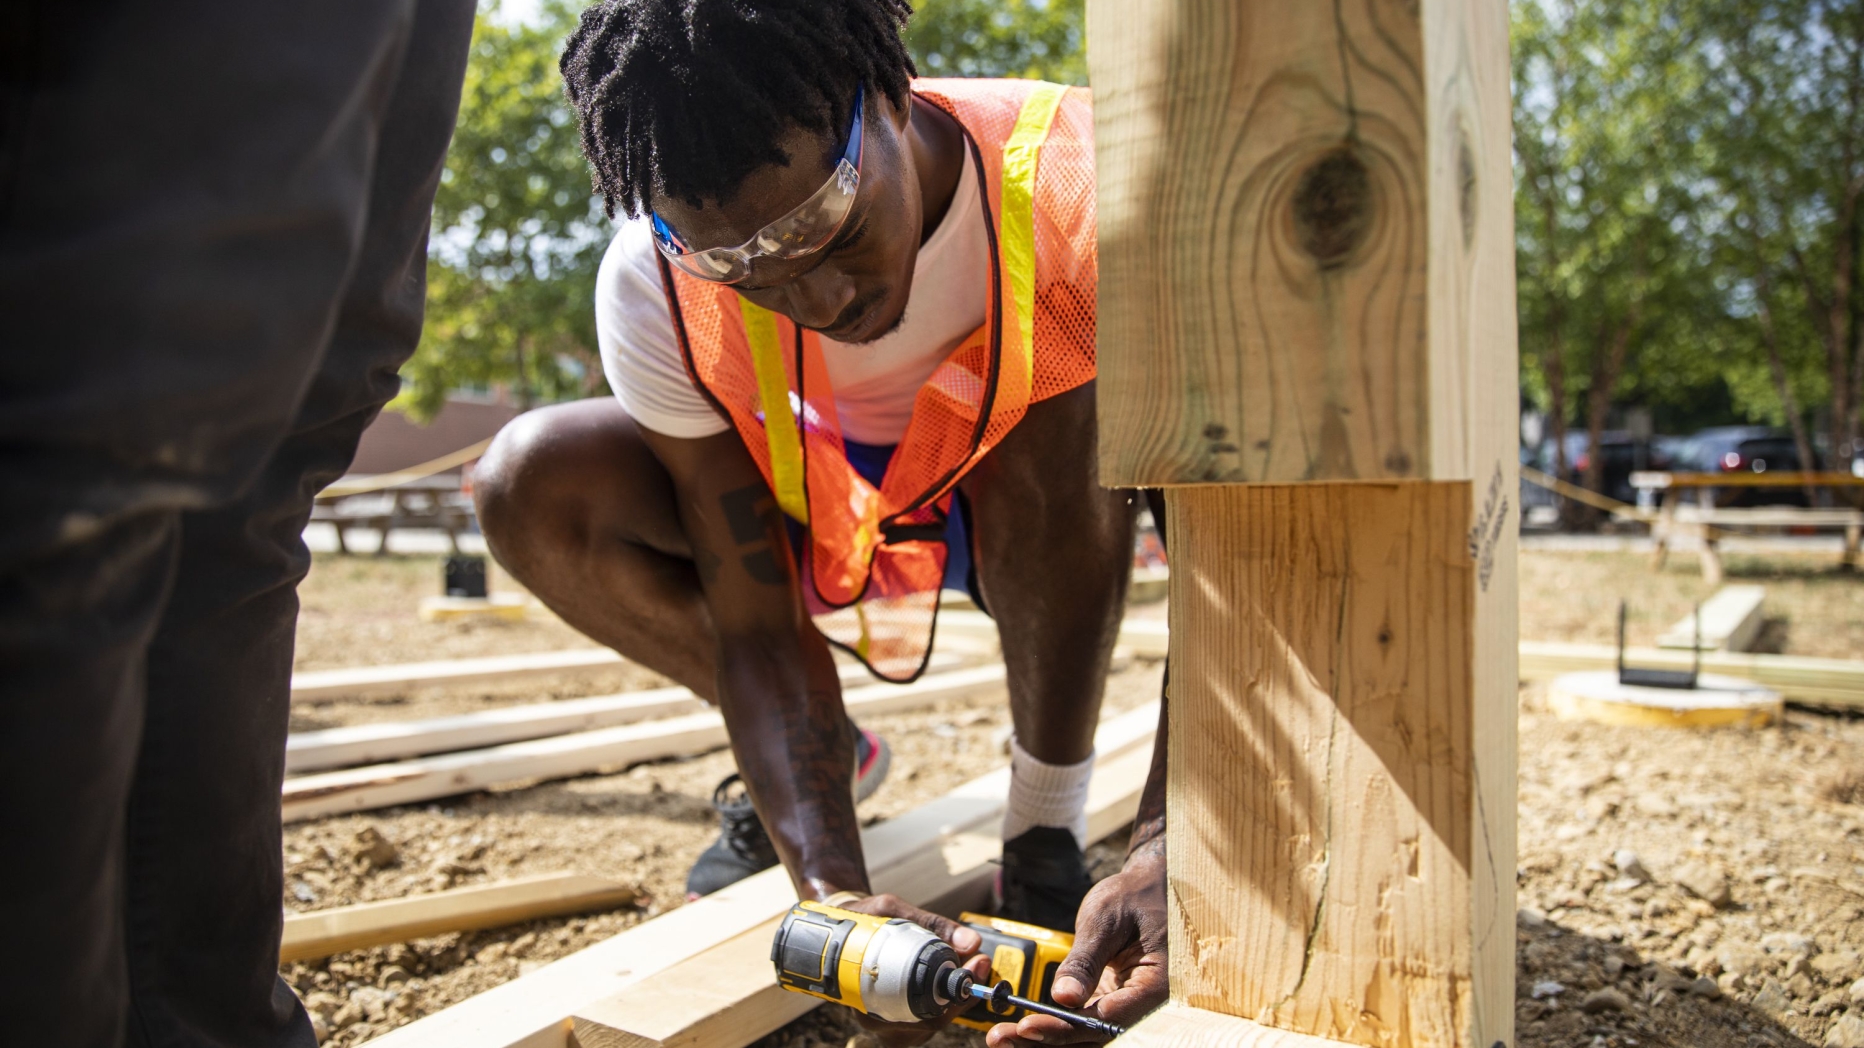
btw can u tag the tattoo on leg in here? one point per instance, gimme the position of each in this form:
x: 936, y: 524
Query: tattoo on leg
x: 754, y: 518
x: 748, y: 510
x: 762, y: 565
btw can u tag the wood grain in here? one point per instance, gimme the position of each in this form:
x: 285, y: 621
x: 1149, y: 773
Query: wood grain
x: 1342, y: 750
x: 1305, y: 237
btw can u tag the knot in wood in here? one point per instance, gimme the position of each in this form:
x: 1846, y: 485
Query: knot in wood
x: 1333, y: 207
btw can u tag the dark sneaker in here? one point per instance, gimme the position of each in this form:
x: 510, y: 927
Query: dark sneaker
x: 1043, y: 879
x: 742, y: 847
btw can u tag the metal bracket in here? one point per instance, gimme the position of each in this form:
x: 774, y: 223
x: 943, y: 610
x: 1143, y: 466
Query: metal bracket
x: 1655, y: 678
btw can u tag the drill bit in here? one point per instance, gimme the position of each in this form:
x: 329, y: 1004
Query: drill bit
x: 1000, y: 999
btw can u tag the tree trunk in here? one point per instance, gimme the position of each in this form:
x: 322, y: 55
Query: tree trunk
x: 1553, y: 366
x: 1802, y: 442
x: 1607, y: 365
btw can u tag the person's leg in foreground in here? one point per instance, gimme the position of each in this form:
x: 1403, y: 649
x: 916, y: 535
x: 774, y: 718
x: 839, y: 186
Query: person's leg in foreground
x: 198, y: 199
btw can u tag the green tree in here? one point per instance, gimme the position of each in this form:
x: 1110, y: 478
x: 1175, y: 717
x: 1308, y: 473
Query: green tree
x: 1781, y: 116
x: 518, y: 235
x: 1599, y: 204
x: 1043, y: 39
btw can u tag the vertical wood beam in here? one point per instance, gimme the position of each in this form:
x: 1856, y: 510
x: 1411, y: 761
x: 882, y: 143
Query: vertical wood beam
x: 1307, y: 275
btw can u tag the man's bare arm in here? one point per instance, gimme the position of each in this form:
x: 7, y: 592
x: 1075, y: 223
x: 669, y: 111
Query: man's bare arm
x: 778, y: 689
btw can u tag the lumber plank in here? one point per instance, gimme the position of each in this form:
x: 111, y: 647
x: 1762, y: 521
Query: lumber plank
x: 391, y: 740
x: 1803, y: 679
x: 1337, y: 867
x: 1306, y: 227
x: 533, y: 1010
x: 426, y: 778
x: 727, y: 996
x: 379, y: 680
x: 1730, y: 619
x: 1181, y: 1026
x: 324, y: 932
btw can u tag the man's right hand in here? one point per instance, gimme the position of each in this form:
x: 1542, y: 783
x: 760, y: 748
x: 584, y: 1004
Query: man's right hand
x: 964, y: 940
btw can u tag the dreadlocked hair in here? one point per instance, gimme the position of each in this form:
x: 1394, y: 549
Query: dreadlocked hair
x: 685, y: 98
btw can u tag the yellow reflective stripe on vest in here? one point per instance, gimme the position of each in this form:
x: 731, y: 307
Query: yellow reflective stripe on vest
x: 1020, y: 154
x: 773, y: 392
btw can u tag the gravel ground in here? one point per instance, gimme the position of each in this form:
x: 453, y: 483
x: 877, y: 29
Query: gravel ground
x: 1690, y: 889
x: 1811, y: 608
x: 1629, y: 837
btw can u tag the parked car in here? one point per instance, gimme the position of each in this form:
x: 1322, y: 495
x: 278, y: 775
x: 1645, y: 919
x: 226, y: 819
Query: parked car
x: 1745, y: 449
x: 1623, y: 456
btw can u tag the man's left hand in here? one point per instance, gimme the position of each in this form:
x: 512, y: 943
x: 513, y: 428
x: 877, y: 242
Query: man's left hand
x: 1117, y: 969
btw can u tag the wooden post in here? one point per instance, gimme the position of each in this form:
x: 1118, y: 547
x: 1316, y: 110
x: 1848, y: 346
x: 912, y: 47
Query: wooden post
x: 1307, y: 334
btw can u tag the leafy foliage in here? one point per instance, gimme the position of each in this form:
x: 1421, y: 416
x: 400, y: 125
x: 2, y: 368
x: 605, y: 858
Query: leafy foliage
x: 1041, y: 39
x: 517, y: 233
x: 1704, y: 161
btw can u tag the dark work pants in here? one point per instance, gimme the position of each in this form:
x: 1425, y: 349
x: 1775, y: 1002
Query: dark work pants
x: 213, y: 228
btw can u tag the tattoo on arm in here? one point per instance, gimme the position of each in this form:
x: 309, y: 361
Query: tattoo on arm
x: 754, y: 519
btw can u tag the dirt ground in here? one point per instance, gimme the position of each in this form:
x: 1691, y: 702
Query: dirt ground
x: 1627, y: 836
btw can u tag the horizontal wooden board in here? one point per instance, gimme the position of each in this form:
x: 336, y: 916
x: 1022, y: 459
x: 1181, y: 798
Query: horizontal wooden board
x: 325, y: 932
x: 1818, y: 682
x: 379, y: 680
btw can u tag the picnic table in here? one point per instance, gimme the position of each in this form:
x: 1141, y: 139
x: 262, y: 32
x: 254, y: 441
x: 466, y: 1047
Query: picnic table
x: 425, y: 502
x: 1706, y: 522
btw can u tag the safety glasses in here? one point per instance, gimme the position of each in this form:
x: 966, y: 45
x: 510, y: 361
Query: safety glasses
x: 806, y: 229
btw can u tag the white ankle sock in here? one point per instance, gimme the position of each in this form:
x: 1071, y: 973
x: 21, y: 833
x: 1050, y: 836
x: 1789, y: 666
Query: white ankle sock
x: 1044, y: 794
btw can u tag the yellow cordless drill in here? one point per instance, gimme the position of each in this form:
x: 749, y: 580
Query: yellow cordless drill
x: 895, y: 970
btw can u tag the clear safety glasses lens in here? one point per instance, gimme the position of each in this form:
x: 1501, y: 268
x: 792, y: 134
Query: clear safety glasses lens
x: 806, y: 229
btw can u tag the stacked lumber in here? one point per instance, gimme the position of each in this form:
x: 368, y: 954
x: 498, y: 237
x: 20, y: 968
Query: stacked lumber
x: 701, y: 975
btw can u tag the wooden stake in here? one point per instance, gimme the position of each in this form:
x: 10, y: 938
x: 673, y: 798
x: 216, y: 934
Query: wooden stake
x: 1306, y: 250
x: 1341, y: 851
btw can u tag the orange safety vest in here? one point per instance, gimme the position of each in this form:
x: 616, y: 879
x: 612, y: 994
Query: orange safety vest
x: 875, y: 557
